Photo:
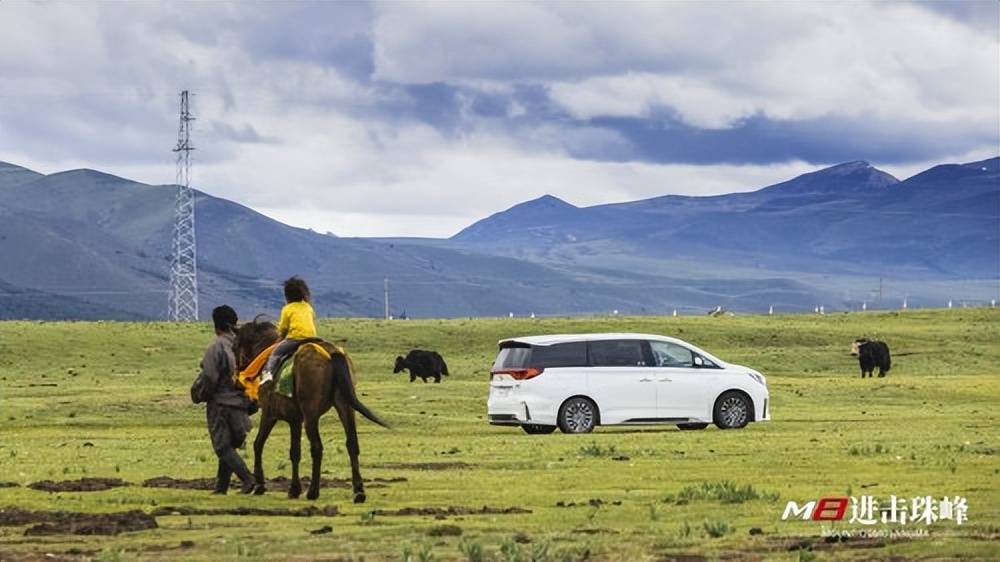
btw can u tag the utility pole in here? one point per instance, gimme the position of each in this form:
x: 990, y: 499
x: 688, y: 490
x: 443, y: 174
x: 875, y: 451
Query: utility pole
x: 183, y: 300
x: 385, y: 293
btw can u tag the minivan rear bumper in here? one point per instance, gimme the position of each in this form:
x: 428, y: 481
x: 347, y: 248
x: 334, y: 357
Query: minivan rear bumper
x: 504, y: 419
x: 507, y: 406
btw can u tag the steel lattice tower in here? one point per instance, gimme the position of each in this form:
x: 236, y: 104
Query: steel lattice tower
x: 183, y: 305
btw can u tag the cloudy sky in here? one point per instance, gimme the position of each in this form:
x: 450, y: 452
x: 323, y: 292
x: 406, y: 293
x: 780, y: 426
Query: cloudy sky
x: 420, y: 118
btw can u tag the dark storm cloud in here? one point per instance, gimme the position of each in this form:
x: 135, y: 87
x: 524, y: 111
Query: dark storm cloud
x: 452, y: 108
x: 333, y: 34
x: 761, y: 140
x: 663, y: 137
x: 983, y: 15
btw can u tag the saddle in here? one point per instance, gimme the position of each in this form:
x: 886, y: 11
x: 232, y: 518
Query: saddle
x: 249, y: 378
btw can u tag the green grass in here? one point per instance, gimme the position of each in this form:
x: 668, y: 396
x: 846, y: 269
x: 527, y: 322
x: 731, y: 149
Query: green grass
x: 110, y: 400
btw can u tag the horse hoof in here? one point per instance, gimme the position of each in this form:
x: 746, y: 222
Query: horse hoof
x: 259, y: 491
x: 359, y: 497
x: 311, y: 495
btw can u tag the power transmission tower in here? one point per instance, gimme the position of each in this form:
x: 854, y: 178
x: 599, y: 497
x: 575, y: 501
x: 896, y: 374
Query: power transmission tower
x: 183, y: 305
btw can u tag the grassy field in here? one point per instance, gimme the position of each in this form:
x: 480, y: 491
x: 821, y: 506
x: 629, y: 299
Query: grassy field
x: 108, y: 402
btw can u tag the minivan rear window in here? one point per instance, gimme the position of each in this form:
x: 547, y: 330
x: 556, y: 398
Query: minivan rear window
x: 512, y: 358
x: 521, y: 356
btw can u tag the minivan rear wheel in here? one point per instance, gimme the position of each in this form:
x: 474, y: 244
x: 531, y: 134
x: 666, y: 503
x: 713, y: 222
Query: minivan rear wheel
x: 733, y: 410
x: 577, y: 415
x: 538, y: 429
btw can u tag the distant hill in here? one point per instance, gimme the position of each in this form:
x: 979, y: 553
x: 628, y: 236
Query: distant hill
x: 849, y: 219
x: 83, y: 244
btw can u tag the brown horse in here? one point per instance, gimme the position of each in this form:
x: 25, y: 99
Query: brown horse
x: 321, y: 381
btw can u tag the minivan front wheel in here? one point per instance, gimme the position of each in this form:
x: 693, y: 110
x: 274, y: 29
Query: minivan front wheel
x: 577, y: 415
x: 733, y: 410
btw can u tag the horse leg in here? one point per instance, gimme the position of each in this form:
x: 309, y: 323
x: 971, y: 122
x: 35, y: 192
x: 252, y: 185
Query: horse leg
x: 346, y: 413
x: 316, y: 451
x: 295, y: 455
x: 266, y: 425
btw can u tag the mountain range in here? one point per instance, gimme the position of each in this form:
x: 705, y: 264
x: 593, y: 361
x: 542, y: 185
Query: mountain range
x: 86, y: 245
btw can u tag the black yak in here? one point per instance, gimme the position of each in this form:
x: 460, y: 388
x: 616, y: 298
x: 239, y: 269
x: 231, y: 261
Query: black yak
x: 871, y: 354
x: 422, y: 363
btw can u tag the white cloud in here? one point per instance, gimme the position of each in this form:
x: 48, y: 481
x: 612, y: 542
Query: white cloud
x: 893, y: 61
x: 302, y: 108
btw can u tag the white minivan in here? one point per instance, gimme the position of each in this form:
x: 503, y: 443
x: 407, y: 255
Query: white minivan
x: 579, y: 381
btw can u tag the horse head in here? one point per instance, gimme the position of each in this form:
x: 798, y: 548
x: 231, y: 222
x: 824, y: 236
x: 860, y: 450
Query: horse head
x: 252, y: 338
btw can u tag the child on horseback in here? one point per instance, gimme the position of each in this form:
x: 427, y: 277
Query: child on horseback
x: 296, y: 323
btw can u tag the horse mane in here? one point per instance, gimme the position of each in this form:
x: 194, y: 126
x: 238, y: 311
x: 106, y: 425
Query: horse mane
x: 258, y: 329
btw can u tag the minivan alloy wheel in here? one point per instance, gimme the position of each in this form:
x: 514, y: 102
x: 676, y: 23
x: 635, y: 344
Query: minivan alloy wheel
x: 732, y: 411
x: 577, y: 415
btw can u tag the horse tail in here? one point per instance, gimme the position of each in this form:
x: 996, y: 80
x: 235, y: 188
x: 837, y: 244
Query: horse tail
x: 343, y: 382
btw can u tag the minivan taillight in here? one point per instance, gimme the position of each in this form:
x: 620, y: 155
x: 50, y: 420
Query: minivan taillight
x: 520, y: 374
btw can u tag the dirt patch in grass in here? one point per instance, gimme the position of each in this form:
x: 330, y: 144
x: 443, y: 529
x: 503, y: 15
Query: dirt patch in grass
x: 6, y: 556
x: 72, y: 523
x: 454, y: 465
x: 308, y: 511
x: 279, y: 483
x: 442, y: 512
x: 69, y: 523
x: 40, y: 523
x: 80, y: 485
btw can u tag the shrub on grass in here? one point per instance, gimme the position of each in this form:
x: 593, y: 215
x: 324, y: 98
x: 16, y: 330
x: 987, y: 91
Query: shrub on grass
x: 717, y: 529
x: 723, y: 492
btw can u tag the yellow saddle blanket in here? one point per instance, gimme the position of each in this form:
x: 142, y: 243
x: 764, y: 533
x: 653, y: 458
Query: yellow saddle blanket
x: 249, y: 378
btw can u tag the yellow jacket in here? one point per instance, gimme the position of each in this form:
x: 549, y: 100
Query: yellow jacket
x: 297, y: 321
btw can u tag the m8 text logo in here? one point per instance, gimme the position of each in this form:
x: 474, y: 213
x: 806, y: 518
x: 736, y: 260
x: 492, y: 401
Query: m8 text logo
x: 869, y: 510
x: 823, y: 509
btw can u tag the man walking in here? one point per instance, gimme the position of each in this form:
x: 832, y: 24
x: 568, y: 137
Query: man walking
x: 226, y: 402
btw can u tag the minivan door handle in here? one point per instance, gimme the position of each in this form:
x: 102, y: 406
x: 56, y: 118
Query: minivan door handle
x: 665, y: 380
x: 645, y: 380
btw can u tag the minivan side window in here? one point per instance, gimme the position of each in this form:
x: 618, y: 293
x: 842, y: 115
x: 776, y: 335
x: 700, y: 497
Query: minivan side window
x: 671, y: 355
x: 667, y: 354
x: 617, y: 353
x: 572, y: 354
